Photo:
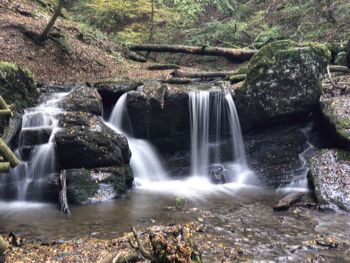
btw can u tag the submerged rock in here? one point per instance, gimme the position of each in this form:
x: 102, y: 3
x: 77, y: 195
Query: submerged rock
x: 330, y: 177
x: 217, y: 174
x: 86, y: 141
x: 337, y: 114
x: 96, y: 185
x: 283, y: 79
x: 286, y: 202
x: 83, y: 99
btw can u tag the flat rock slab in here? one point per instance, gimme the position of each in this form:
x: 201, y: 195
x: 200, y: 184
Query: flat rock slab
x: 330, y: 176
x: 286, y: 202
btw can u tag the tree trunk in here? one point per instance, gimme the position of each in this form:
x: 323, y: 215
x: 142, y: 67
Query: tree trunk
x: 230, y: 53
x: 194, y: 75
x: 63, y: 193
x: 348, y: 55
x: 43, y: 36
x: 8, y: 155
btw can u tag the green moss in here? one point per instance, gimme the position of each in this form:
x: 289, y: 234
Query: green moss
x: 80, y: 186
x: 121, y: 178
x: 17, y: 86
x: 343, y: 155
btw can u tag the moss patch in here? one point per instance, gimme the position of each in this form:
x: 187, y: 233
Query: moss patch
x: 17, y: 86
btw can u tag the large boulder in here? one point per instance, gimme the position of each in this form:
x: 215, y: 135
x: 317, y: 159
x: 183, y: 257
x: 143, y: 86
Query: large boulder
x: 336, y: 111
x: 160, y: 113
x: 329, y: 175
x: 84, y: 99
x: 17, y: 86
x: 86, y: 141
x: 273, y: 153
x: 99, y: 184
x: 283, y: 79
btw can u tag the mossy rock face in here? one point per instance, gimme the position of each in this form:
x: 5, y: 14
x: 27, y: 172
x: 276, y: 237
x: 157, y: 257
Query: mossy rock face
x: 340, y: 59
x: 330, y: 178
x: 283, y: 79
x: 17, y: 86
x: 337, y: 115
x: 96, y: 185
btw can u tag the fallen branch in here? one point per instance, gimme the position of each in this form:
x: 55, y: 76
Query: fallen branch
x: 8, y: 155
x: 330, y: 78
x: 342, y: 69
x: 230, y: 53
x: 163, y: 67
x: 4, y: 106
x: 63, y: 193
x: 195, y: 75
x: 140, y: 247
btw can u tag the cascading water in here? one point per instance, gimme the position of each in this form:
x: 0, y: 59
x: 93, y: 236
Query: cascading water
x: 42, y: 163
x: 145, y: 162
x: 201, y: 117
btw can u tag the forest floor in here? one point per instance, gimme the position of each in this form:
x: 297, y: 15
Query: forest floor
x: 74, y: 56
x: 72, y: 61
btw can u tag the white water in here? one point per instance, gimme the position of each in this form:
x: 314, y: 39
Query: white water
x: 199, y: 117
x: 301, y: 183
x: 149, y: 173
x: 145, y: 162
x: 43, y: 161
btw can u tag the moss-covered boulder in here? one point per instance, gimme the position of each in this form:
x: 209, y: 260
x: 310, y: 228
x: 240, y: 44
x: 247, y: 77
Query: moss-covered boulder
x: 336, y: 112
x: 329, y: 175
x: 86, y: 141
x: 283, y: 79
x: 96, y: 185
x: 17, y: 86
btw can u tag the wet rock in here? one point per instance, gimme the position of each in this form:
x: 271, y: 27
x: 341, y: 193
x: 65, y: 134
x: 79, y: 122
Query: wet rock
x: 273, y: 153
x: 17, y: 86
x: 216, y: 174
x: 86, y: 141
x: 83, y: 99
x: 111, y: 91
x: 329, y: 176
x: 160, y: 113
x: 286, y: 202
x: 30, y: 137
x: 336, y: 112
x: 283, y: 79
x: 99, y: 184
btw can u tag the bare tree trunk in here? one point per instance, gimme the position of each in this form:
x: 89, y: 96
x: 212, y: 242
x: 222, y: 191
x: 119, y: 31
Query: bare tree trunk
x: 43, y: 36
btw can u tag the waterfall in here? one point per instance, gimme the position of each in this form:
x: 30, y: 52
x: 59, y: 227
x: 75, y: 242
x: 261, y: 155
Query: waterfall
x: 206, y: 117
x: 144, y: 162
x: 199, y: 117
x: 43, y: 163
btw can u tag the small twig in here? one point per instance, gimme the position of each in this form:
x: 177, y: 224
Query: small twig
x: 143, y: 251
x: 330, y: 79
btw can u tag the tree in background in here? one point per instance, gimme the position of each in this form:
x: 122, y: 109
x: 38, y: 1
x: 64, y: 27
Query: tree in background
x: 44, y: 35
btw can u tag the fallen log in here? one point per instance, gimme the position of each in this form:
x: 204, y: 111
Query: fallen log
x: 163, y: 67
x: 237, y: 78
x: 63, y: 193
x: 178, y: 81
x: 199, y: 75
x: 342, y: 69
x: 230, y: 53
x: 4, y: 167
x: 8, y: 155
x: 5, y: 113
